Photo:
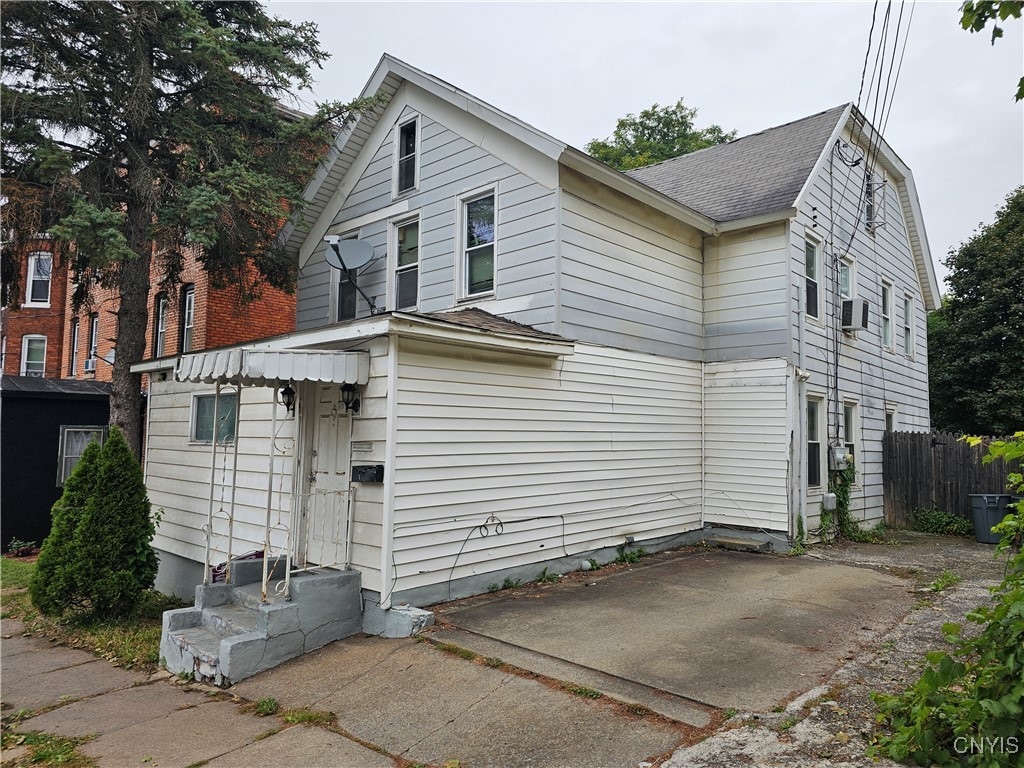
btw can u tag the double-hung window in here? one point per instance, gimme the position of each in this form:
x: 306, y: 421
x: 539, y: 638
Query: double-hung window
x: 188, y: 317
x: 814, y: 431
x: 477, y: 236
x: 94, y: 340
x: 850, y: 430
x: 846, y: 279
x: 208, y: 410
x: 40, y: 268
x: 160, y: 326
x: 406, y: 163
x: 407, y: 264
x: 33, y: 356
x: 908, y: 326
x: 73, y: 362
x: 886, y: 315
x: 812, y: 268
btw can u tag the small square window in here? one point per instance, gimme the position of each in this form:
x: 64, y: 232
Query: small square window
x: 73, y: 442
x: 206, y: 409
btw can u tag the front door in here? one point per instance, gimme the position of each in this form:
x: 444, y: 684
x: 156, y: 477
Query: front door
x: 326, y: 508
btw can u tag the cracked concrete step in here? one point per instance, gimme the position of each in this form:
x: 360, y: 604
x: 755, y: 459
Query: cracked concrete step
x: 636, y: 694
x: 202, y: 644
x: 250, y: 595
x: 230, y: 619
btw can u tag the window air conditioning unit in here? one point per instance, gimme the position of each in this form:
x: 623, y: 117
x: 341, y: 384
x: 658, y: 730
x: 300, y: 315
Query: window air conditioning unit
x: 855, y: 315
x: 90, y: 364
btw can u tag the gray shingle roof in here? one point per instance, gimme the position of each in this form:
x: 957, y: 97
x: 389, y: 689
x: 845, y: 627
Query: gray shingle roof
x: 485, y: 321
x: 749, y: 176
x: 40, y: 387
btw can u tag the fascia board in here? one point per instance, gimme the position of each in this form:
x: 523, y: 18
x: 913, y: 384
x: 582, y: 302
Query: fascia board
x: 588, y: 166
x: 422, y: 329
x: 756, y: 221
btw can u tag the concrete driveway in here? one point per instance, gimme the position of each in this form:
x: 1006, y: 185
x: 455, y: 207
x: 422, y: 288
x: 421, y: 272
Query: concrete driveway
x: 711, y: 627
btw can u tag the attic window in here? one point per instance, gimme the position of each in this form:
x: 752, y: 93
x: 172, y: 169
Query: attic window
x: 406, y: 156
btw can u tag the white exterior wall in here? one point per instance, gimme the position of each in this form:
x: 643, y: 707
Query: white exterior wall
x: 570, y: 455
x: 178, y: 473
x: 877, y: 379
x: 746, y: 296
x: 747, y: 425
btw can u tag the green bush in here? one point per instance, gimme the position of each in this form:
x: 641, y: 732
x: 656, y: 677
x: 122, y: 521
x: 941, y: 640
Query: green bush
x: 968, y: 705
x: 54, y: 588
x: 98, y: 553
x: 939, y: 521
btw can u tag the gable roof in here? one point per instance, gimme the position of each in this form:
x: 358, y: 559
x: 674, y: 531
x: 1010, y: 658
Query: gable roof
x: 481, y: 320
x: 750, y: 176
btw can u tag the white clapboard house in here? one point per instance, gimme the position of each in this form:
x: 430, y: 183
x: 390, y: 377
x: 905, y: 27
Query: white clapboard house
x: 510, y: 357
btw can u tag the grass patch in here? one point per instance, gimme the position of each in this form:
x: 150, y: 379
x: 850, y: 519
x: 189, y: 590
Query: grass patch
x: 493, y: 661
x: 946, y: 580
x: 15, y: 574
x: 131, y: 642
x: 308, y: 716
x: 457, y: 650
x: 46, y: 750
x: 730, y: 713
x: 266, y: 707
x: 629, y: 556
x: 583, y: 691
x: 788, y: 723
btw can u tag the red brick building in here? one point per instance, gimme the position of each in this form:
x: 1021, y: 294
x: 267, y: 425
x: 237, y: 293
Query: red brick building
x: 45, y: 337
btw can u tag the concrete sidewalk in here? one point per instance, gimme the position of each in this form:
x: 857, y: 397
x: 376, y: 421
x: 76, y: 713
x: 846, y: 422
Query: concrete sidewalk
x: 392, y: 699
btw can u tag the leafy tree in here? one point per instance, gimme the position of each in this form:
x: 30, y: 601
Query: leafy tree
x: 138, y: 128
x: 656, y: 134
x: 976, y: 339
x: 976, y: 14
x: 53, y: 586
x: 113, y: 561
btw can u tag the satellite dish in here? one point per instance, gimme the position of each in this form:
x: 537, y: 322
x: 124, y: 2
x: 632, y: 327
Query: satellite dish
x: 347, y: 254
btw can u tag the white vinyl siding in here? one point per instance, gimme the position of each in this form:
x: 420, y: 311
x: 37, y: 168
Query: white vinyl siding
x: 569, y: 455
x: 886, y: 311
x: 746, y: 444
x: 746, y: 307
x: 178, y: 474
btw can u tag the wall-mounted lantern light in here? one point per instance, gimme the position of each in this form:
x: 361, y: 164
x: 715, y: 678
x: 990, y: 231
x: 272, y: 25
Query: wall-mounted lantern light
x: 288, y: 397
x: 349, y: 398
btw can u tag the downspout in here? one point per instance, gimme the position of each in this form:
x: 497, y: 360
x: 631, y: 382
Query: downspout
x: 213, y: 470
x: 801, y: 400
x: 388, y: 521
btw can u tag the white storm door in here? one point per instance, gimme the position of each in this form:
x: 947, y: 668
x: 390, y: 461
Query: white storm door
x: 326, y: 510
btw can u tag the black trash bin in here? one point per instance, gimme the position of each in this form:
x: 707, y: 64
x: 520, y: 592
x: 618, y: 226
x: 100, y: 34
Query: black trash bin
x: 987, y: 510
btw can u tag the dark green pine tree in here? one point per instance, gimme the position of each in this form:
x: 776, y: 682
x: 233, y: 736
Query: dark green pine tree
x: 54, y: 588
x: 114, y: 560
x: 135, y: 128
x: 976, y: 339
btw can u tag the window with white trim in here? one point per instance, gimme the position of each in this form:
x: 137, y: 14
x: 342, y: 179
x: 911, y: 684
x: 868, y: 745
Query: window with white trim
x: 908, y: 325
x: 847, y: 277
x: 407, y: 263
x: 887, y: 315
x: 160, y: 326
x: 812, y: 268
x: 74, y: 439
x: 73, y: 362
x: 40, y: 270
x: 206, y: 409
x: 188, y: 317
x: 94, y: 340
x: 850, y: 430
x: 890, y: 419
x: 477, y: 244
x: 33, y: 356
x: 814, y: 445
x: 347, y: 294
x: 406, y: 156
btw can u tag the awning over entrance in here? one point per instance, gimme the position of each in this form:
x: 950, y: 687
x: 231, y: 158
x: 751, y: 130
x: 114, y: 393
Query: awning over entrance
x: 262, y: 367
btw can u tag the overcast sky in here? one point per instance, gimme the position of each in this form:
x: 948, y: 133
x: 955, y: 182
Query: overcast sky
x: 572, y: 69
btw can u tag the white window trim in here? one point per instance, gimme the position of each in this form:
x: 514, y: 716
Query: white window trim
x: 852, y: 266
x: 160, y: 326
x: 893, y: 412
x: 25, y: 341
x: 908, y: 326
x: 33, y: 259
x: 193, y: 412
x: 887, y: 287
x: 73, y: 362
x: 822, y: 441
x: 64, y: 429
x: 391, y: 293
x: 461, y: 273
x: 188, y: 319
x: 849, y: 402
x: 409, y: 118
x: 817, y: 279
x: 94, y: 342
x: 334, y: 311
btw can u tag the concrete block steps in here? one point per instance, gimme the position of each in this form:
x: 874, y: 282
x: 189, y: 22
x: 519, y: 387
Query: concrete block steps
x: 231, y: 634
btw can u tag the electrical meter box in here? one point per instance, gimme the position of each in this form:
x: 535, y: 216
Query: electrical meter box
x: 837, y: 458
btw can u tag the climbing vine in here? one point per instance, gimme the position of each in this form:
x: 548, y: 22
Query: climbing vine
x: 839, y: 523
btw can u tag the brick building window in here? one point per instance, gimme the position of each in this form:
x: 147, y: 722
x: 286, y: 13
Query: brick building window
x: 73, y: 363
x: 160, y: 325
x: 33, y: 356
x: 188, y: 317
x: 40, y: 266
x: 94, y: 340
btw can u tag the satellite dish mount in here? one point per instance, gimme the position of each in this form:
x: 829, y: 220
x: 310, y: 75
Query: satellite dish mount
x: 349, y: 255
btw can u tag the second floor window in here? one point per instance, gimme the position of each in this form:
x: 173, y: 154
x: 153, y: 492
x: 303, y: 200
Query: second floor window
x: 406, y: 157
x: 908, y: 326
x: 33, y: 356
x: 846, y: 286
x: 347, y: 294
x: 94, y: 340
x: 160, y: 326
x: 811, y: 270
x: 478, y: 245
x: 73, y: 363
x: 188, y: 317
x: 407, y: 264
x: 886, y: 315
x: 40, y: 267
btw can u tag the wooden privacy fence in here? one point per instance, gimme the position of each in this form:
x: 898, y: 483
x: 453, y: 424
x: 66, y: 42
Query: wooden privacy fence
x: 922, y: 470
